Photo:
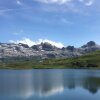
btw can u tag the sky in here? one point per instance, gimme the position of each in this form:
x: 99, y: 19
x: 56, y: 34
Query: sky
x: 59, y: 22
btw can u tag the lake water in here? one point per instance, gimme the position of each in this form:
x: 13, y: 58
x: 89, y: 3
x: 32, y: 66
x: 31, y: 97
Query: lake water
x: 50, y: 84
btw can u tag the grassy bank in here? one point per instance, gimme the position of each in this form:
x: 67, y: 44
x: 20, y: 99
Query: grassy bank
x: 91, y: 60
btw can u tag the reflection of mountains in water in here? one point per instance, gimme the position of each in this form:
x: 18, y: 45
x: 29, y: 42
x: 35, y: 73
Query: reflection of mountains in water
x: 46, y: 83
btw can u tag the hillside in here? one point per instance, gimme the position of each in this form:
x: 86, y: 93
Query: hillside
x: 91, y: 60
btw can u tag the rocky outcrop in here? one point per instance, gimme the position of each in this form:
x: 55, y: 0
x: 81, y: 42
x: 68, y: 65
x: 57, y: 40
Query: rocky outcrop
x: 37, y: 47
x: 89, y: 44
x: 44, y: 46
x: 90, y: 47
x: 48, y: 47
x: 45, y: 50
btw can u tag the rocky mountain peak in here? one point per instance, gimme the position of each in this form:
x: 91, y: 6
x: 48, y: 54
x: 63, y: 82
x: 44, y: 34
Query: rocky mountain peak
x: 89, y: 44
x: 44, y: 46
x: 48, y: 47
x: 71, y: 48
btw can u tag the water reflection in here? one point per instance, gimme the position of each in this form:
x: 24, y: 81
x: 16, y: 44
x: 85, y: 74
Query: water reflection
x: 44, y: 83
x: 92, y: 84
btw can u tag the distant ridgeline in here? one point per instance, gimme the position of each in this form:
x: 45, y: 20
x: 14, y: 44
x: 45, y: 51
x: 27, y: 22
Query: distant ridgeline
x: 10, y: 52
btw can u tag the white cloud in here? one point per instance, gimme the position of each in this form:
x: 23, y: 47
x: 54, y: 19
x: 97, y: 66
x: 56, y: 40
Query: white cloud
x: 18, y: 2
x: 57, y: 44
x: 12, y: 9
x: 54, y: 1
x: 24, y: 41
x: 87, y: 2
x: 76, y: 6
x: 15, y: 33
x: 31, y: 42
x: 18, y: 33
x: 64, y: 20
x: 6, y: 10
x: 66, y: 5
x: 3, y: 12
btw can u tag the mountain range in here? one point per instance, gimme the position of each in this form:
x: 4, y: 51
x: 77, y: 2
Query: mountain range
x: 44, y: 50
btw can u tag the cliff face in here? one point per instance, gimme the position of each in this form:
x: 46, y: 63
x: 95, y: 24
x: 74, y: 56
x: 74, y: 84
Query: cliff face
x: 45, y: 50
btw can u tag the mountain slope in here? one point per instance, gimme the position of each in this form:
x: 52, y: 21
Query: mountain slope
x: 44, y: 50
x: 91, y: 60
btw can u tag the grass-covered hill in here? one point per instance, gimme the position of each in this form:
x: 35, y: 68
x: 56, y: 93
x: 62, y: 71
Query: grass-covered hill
x: 91, y: 60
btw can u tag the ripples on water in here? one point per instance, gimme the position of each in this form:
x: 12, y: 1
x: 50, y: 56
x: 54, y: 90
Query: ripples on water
x: 50, y: 85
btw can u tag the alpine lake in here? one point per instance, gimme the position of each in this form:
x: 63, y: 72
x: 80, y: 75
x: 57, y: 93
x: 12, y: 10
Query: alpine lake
x: 50, y: 84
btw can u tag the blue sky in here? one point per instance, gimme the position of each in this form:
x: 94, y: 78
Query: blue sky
x: 70, y: 22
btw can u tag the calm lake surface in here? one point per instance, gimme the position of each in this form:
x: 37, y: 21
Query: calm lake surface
x: 50, y: 84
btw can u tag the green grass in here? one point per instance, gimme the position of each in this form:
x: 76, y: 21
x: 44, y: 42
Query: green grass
x: 91, y: 60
